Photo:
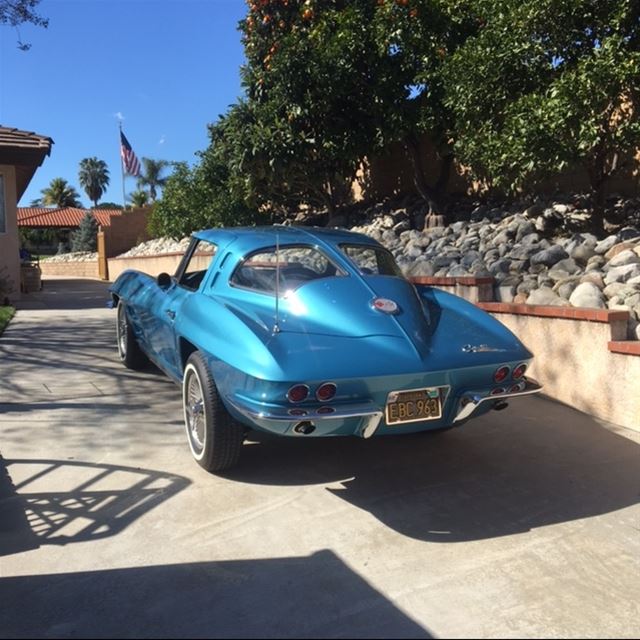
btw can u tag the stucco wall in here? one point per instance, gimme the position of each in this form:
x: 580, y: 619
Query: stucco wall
x: 126, y: 231
x: 9, y: 242
x: 78, y: 269
x: 575, y: 365
x: 153, y: 265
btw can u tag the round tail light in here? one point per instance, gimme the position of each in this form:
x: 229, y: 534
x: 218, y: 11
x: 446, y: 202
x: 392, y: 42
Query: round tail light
x: 326, y: 392
x: 298, y: 393
x: 501, y: 374
x: 519, y: 371
x: 498, y: 391
x: 515, y: 388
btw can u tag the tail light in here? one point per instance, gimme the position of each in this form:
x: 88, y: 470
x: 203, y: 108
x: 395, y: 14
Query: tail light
x: 517, y: 387
x: 501, y: 374
x: 519, y: 371
x: 498, y: 391
x: 298, y: 393
x: 326, y: 392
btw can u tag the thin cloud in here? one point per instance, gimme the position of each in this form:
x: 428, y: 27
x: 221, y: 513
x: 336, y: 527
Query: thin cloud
x: 118, y: 116
x: 163, y: 139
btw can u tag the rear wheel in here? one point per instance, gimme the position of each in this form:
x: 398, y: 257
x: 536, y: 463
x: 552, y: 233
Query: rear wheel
x: 215, y: 438
x: 129, y: 350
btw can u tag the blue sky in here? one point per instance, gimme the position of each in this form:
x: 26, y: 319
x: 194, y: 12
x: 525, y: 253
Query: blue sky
x: 168, y: 67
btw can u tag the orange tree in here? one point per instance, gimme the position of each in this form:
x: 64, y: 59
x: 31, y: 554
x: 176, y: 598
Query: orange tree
x: 309, y: 71
x: 545, y: 85
x: 327, y: 82
x: 331, y: 81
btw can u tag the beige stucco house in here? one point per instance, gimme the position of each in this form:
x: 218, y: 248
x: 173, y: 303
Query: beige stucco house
x: 21, y: 153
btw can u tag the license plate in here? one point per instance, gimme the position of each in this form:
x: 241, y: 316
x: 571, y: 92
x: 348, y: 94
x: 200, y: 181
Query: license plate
x: 413, y: 406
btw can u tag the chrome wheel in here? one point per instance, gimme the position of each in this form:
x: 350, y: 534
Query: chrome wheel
x: 195, y: 417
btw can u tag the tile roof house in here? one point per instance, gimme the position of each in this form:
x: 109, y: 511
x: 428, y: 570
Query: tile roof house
x: 62, y: 217
x: 21, y: 153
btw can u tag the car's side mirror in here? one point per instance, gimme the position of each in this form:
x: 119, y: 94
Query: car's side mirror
x: 164, y: 280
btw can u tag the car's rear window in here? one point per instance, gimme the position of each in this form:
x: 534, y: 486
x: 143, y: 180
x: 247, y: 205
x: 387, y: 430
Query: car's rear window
x: 295, y: 266
x: 371, y: 260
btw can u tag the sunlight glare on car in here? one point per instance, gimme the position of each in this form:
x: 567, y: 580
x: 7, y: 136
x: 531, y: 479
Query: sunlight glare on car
x: 296, y: 306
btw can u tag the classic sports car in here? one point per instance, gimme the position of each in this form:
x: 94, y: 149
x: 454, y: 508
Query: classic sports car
x: 311, y: 332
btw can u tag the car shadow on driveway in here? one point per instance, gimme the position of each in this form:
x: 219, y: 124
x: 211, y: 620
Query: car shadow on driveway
x: 101, y: 501
x: 499, y: 475
x: 317, y: 596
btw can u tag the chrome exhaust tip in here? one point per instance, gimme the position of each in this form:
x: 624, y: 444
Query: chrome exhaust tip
x: 304, y: 428
x: 500, y: 405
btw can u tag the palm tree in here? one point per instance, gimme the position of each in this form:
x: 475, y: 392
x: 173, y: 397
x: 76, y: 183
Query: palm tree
x: 94, y: 178
x: 139, y: 198
x: 151, y: 176
x: 60, y: 193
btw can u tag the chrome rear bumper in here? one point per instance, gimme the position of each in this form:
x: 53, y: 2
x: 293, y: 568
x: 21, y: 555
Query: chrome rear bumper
x: 366, y: 410
x: 470, y: 402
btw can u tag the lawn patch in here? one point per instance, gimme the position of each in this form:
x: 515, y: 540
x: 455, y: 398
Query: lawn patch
x: 6, y: 313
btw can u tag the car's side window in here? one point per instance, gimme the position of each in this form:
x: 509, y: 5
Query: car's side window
x: 294, y: 266
x: 372, y: 260
x: 190, y: 274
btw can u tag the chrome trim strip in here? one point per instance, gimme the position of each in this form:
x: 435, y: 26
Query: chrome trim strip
x: 474, y: 401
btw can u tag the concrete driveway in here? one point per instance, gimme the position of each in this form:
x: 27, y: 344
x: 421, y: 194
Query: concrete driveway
x: 524, y: 523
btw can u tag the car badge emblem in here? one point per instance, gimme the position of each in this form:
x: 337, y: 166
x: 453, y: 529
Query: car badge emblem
x: 385, y: 305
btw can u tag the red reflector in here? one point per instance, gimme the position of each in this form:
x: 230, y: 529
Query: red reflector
x: 517, y: 387
x: 298, y: 393
x: 322, y: 410
x: 326, y: 391
x: 297, y: 412
x: 518, y: 372
x: 498, y: 391
x: 501, y: 374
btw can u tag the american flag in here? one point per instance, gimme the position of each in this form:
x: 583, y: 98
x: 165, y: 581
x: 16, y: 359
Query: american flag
x: 129, y: 158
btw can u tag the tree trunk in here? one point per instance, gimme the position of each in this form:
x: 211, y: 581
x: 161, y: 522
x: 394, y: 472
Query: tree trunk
x: 433, y: 196
x: 598, y: 179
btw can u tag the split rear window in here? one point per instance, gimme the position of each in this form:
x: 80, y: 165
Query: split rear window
x: 292, y: 266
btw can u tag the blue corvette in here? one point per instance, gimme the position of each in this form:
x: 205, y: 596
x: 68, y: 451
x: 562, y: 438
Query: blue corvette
x: 311, y: 332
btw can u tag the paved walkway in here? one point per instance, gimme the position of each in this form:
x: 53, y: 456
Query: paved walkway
x: 525, y: 523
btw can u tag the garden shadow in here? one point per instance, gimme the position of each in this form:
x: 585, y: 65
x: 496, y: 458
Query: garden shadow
x: 101, y: 501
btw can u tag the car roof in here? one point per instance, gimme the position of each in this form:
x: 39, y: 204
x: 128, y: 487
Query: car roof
x: 248, y: 238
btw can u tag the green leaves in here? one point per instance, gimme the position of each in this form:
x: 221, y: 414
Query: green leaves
x: 544, y: 86
x: 94, y: 178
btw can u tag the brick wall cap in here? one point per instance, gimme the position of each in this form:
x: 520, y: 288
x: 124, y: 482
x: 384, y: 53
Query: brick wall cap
x: 571, y: 313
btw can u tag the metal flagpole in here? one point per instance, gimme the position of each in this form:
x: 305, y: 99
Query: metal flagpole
x: 124, y: 201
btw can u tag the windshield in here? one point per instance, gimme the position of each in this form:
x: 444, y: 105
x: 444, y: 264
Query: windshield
x: 372, y: 260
